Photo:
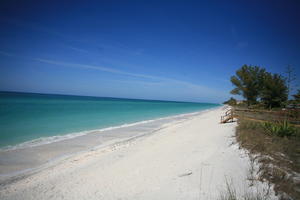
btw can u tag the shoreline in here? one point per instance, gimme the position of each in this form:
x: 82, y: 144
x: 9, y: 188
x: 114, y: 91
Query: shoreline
x: 28, y: 150
x: 57, y: 138
x: 185, y: 159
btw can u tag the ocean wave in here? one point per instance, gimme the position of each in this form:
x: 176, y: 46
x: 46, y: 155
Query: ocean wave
x: 58, y: 138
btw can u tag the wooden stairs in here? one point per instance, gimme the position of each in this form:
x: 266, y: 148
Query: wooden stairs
x: 228, y: 117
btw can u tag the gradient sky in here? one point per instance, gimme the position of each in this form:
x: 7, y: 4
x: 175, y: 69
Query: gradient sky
x: 167, y: 50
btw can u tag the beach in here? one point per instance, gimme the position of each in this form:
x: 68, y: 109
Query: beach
x: 191, y: 157
x: 150, y: 100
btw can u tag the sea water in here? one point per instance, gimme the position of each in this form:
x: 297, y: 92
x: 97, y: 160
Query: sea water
x: 27, y: 117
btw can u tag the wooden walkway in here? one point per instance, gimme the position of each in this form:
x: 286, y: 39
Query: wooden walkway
x: 229, y: 116
x: 258, y: 115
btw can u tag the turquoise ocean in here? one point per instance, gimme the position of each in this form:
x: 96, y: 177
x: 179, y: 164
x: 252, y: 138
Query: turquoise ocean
x: 26, y: 116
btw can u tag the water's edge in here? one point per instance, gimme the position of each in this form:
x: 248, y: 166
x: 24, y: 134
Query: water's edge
x: 28, y: 120
x: 51, y: 139
x: 25, y: 162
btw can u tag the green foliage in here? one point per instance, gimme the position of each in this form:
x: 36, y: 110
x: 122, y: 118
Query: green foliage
x: 281, y: 129
x: 231, y: 102
x: 274, y: 92
x: 278, y: 157
x: 248, y: 82
x: 253, y: 83
x: 249, y: 125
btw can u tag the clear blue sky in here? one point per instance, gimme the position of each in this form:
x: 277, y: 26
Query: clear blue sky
x: 168, y: 50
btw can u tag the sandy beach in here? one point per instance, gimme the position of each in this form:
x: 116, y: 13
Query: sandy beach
x: 183, y: 159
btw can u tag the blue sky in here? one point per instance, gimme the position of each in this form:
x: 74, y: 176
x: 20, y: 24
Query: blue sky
x: 167, y: 50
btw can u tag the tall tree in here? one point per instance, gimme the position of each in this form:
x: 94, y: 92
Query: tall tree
x: 248, y: 82
x: 275, y: 90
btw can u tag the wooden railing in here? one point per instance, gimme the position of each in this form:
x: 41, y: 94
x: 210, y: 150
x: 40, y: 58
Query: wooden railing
x: 229, y: 116
x: 292, y: 116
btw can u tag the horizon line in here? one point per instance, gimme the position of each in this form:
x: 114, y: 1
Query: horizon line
x: 126, y: 98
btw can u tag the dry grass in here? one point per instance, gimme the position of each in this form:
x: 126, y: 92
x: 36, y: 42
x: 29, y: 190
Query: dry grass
x: 231, y: 194
x: 279, y: 157
x: 291, y: 115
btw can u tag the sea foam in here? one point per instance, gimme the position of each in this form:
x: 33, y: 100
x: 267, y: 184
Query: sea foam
x: 57, y: 138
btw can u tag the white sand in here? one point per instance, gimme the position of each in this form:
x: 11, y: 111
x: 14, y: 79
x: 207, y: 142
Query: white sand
x: 187, y: 160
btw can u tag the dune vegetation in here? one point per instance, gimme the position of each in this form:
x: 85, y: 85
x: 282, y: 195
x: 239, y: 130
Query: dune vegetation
x: 269, y: 126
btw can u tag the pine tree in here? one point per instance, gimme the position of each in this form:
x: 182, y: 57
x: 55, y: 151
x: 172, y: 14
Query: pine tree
x: 248, y: 81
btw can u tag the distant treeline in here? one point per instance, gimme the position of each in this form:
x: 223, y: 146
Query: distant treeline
x: 262, y: 88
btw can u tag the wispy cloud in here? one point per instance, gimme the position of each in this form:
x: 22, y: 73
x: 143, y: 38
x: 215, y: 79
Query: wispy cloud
x: 113, y: 46
x: 95, y: 67
x: 146, y: 80
x: 80, y: 50
x: 5, y: 53
x: 196, y: 88
x: 86, y: 66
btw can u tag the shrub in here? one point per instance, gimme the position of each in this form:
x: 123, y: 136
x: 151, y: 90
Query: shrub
x: 231, y: 102
x: 248, y: 125
x: 281, y: 129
